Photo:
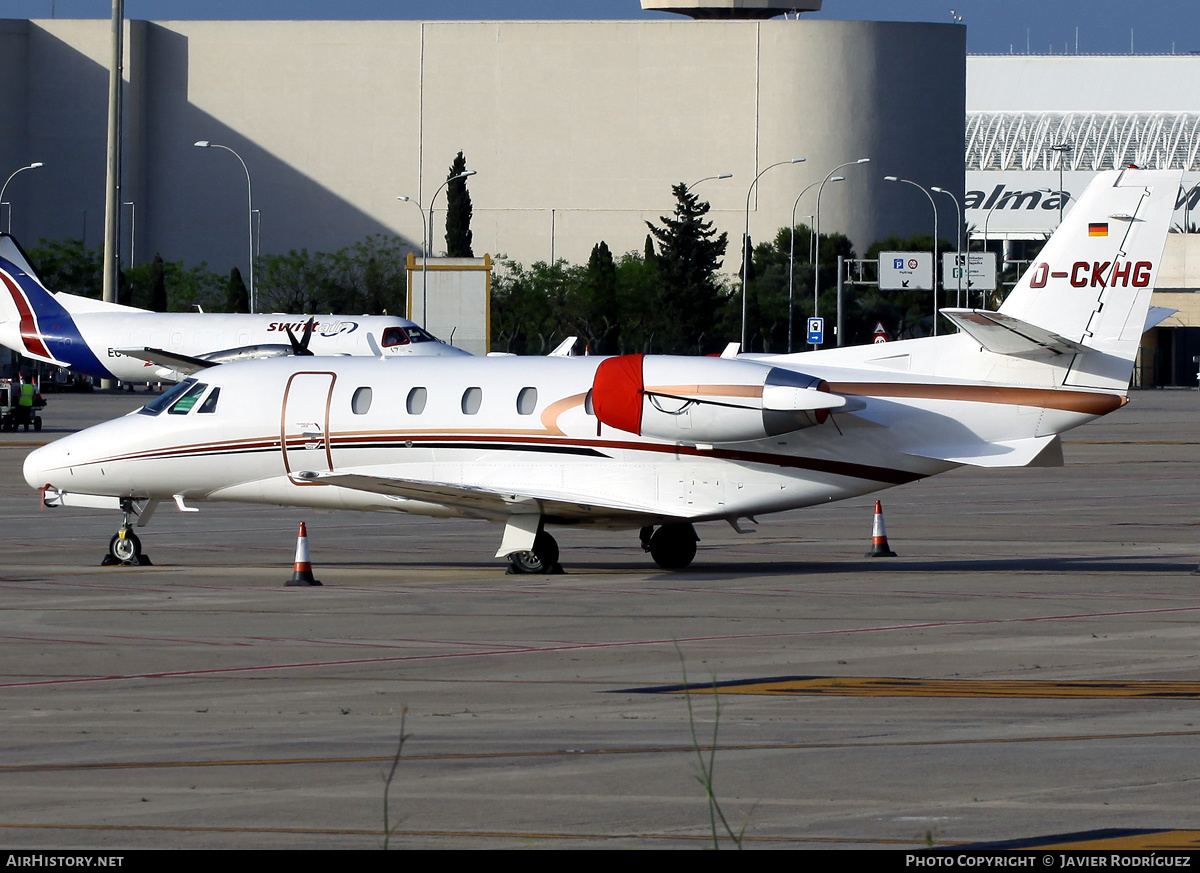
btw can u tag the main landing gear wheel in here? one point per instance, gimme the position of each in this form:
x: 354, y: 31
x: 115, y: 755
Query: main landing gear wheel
x: 672, y: 546
x: 543, y: 558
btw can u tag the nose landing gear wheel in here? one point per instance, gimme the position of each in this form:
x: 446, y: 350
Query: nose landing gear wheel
x: 543, y: 558
x: 125, y: 549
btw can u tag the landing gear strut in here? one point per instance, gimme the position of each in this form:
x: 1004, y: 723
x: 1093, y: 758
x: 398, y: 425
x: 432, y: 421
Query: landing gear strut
x: 125, y: 549
x: 672, y: 546
x: 542, y: 558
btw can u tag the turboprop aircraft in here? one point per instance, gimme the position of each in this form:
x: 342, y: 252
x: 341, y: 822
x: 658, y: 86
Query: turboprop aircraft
x: 112, y: 341
x: 647, y: 442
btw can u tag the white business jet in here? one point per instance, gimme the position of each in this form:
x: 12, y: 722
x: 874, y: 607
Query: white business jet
x: 649, y: 443
x: 112, y: 341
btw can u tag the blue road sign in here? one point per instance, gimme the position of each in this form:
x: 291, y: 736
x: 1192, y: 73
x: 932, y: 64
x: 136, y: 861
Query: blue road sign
x: 816, y: 331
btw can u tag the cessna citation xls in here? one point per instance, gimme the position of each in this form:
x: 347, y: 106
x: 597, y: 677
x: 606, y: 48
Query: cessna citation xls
x: 646, y: 442
x: 133, y: 345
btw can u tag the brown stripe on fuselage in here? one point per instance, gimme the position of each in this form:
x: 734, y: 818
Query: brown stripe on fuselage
x: 708, y: 390
x: 1087, y: 402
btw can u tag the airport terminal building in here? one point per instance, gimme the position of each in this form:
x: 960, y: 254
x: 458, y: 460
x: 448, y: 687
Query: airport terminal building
x: 577, y: 130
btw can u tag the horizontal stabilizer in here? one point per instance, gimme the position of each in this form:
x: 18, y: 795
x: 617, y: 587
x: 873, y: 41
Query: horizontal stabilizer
x: 480, y: 502
x: 1006, y: 335
x: 1156, y: 316
x: 1045, y: 451
x: 183, y: 364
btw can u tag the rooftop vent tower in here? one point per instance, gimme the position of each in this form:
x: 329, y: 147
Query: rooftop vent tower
x: 732, y: 9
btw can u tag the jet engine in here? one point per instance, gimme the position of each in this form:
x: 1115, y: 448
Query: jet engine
x: 708, y: 400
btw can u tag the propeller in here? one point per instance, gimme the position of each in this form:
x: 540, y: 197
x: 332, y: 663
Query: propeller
x: 300, y: 346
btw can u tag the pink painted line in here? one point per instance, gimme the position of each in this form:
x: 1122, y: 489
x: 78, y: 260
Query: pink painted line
x: 575, y: 647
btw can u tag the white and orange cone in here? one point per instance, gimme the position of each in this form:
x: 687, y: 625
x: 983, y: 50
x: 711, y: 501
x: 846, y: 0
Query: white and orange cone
x: 302, y: 575
x: 879, y: 543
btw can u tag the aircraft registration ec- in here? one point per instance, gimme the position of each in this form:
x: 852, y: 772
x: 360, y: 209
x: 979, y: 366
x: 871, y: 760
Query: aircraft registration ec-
x: 112, y: 341
x: 649, y: 443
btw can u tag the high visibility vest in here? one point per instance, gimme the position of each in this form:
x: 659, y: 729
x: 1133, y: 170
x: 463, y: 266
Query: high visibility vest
x: 26, y: 398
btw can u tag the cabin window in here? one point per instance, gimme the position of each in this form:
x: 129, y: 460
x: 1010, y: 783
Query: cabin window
x: 471, y: 400
x: 587, y: 404
x: 157, y: 405
x: 527, y: 401
x: 416, y: 401
x: 184, y: 404
x: 210, y: 402
x: 394, y: 336
x: 361, y: 401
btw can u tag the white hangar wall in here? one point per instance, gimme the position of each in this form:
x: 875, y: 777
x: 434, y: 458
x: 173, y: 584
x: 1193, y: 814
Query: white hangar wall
x: 577, y: 129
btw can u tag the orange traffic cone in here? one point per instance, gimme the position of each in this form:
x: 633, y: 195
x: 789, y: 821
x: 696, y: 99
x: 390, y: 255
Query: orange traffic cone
x: 302, y: 576
x: 879, y: 543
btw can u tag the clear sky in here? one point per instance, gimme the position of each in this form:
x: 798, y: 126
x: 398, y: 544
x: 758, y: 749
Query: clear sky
x: 1101, y: 26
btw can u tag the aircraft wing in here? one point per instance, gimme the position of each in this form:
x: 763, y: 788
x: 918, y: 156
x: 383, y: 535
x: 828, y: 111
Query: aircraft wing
x: 1043, y: 451
x: 480, y: 502
x: 183, y: 364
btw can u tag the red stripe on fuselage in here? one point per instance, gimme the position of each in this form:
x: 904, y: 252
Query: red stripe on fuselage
x: 29, y: 329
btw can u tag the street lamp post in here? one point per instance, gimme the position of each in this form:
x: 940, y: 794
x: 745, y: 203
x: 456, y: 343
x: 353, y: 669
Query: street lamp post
x: 132, y: 228
x: 958, y: 247
x: 709, y: 178
x: 935, y: 239
x: 817, y: 231
x: 427, y: 230
x: 792, y: 253
x: 988, y: 220
x: 205, y: 144
x: 746, y: 243
x: 1062, y: 148
x: 4, y: 188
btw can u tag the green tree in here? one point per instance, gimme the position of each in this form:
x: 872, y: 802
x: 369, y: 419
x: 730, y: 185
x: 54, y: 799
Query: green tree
x: 237, y: 299
x: 67, y: 265
x: 158, y: 285
x: 458, y: 212
x: 602, y: 312
x: 689, y: 255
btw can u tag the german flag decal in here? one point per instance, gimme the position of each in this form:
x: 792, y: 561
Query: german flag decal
x: 1098, y: 228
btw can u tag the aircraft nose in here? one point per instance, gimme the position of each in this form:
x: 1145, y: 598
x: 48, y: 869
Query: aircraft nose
x: 43, y: 464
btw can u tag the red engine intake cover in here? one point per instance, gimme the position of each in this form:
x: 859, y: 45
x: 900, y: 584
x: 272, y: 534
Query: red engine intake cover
x: 617, y: 393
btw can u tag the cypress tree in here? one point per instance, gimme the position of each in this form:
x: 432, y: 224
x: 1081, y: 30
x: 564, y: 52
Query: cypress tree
x: 458, y: 212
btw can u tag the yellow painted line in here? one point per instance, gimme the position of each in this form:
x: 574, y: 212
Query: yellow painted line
x: 517, y: 835
x: 1149, y: 841
x: 851, y: 686
x: 584, y: 752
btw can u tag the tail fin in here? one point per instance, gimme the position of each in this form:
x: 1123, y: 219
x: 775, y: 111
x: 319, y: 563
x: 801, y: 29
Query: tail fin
x: 1090, y: 287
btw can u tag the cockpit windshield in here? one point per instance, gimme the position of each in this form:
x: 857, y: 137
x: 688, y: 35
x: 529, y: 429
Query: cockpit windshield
x: 394, y: 336
x: 418, y: 335
x: 402, y: 336
x: 179, y: 399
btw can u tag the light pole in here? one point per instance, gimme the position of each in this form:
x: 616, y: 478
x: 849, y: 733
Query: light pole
x: 427, y: 241
x: 708, y: 178
x: 4, y: 188
x: 746, y: 242
x: 132, y: 228
x: 424, y: 249
x: 958, y: 247
x: 935, y: 240
x: 1062, y: 148
x: 792, y: 253
x: 205, y: 144
x: 988, y: 220
x: 817, y: 229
